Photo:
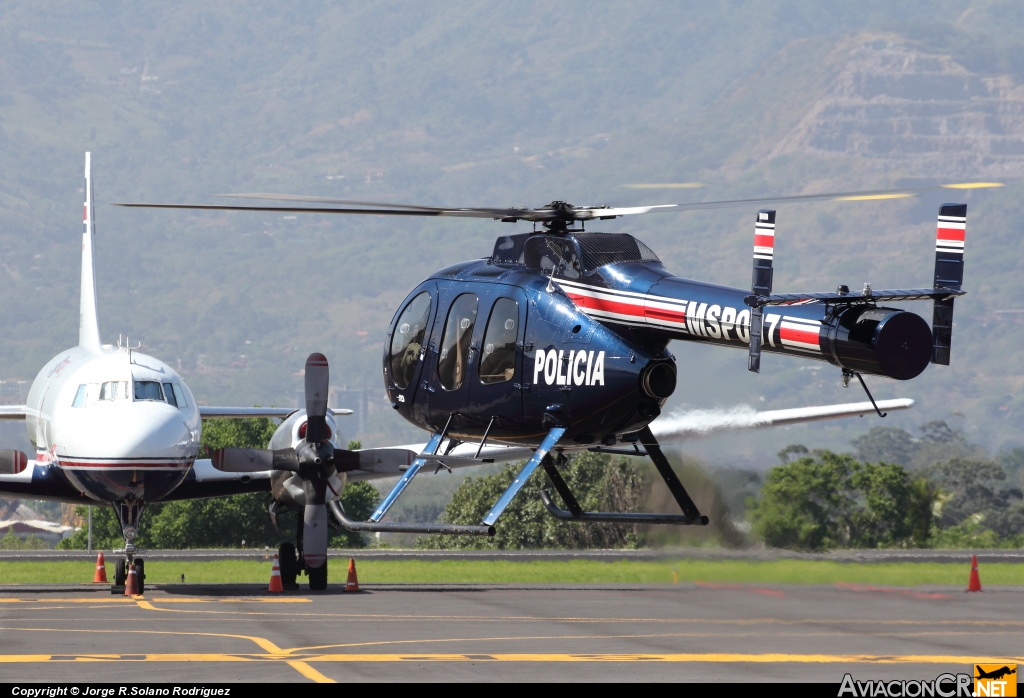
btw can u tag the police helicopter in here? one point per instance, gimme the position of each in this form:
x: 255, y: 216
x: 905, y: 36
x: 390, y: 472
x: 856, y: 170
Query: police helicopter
x: 558, y: 341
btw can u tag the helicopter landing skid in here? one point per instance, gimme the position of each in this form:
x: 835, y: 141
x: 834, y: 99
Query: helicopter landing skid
x: 691, y: 516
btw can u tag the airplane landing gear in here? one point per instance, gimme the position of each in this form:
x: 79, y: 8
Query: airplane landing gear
x: 289, y: 566
x: 129, y: 511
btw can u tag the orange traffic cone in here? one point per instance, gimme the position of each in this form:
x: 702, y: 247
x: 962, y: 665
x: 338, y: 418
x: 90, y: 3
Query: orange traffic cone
x: 353, y: 582
x: 131, y: 585
x: 975, y: 583
x: 275, y: 576
x: 101, y: 570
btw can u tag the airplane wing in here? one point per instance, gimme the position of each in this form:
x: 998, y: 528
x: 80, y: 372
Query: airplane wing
x: 694, y: 423
x: 375, y: 463
x: 208, y: 412
x: 204, y: 481
x: 19, y: 412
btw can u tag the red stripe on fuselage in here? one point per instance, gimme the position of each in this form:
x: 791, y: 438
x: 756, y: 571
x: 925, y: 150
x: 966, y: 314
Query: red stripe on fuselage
x: 610, y: 306
x: 795, y: 335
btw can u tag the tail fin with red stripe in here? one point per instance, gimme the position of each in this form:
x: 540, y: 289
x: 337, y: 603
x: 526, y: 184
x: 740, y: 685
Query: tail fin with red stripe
x: 949, y: 273
x: 761, y: 283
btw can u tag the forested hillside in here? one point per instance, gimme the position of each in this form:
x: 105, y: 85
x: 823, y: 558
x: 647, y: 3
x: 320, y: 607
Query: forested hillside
x: 487, y: 103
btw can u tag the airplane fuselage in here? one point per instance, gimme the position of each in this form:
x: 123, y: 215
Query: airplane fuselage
x: 114, y: 423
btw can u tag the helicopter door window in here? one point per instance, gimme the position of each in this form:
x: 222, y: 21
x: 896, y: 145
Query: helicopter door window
x: 498, y: 359
x: 455, y: 344
x: 407, y: 341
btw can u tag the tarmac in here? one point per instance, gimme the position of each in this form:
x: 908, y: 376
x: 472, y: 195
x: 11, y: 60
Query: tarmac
x: 223, y: 635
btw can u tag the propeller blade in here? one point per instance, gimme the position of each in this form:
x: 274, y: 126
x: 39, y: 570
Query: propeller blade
x: 317, y: 387
x: 254, y: 460
x: 12, y: 462
x: 314, y: 523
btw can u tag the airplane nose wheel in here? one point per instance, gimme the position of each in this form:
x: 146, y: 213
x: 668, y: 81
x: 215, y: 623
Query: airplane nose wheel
x: 288, y: 565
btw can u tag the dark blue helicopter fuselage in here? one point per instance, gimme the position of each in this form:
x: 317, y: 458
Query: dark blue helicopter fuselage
x: 572, y: 331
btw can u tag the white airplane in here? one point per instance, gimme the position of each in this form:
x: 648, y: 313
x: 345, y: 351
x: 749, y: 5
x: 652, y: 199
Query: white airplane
x: 111, y: 425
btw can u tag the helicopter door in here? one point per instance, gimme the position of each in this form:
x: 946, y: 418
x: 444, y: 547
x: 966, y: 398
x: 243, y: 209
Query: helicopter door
x: 496, y: 392
x: 407, y: 349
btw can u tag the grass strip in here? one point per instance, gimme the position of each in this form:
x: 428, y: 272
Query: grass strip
x: 542, y: 572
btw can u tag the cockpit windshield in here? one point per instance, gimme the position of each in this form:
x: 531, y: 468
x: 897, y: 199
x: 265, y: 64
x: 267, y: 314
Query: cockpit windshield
x: 148, y: 390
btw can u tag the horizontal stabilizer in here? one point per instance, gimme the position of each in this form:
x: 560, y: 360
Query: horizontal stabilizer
x: 867, y: 296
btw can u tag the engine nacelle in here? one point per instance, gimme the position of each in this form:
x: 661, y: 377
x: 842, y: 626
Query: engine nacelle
x: 287, y: 487
x: 881, y: 341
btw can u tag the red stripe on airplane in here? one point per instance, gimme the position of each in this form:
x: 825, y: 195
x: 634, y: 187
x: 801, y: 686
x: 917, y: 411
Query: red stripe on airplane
x: 764, y: 241
x: 951, y: 234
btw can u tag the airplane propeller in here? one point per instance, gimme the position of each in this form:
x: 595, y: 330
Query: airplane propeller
x: 313, y: 460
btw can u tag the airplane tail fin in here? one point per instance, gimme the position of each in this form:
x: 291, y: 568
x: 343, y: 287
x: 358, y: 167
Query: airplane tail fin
x: 949, y: 273
x: 88, y: 321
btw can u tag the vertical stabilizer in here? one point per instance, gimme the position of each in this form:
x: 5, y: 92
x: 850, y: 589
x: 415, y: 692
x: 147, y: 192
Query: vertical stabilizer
x: 761, y: 283
x: 949, y: 273
x: 88, y: 321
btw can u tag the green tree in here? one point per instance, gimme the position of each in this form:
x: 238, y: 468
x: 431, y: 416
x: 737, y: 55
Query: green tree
x: 597, y: 482
x: 831, y: 500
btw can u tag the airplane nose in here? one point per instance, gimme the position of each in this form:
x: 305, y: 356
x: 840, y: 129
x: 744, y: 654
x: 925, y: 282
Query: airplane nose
x: 136, y: 431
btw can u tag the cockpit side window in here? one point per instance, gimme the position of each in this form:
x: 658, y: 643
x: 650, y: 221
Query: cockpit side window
x: 179, y: 395
x: 407, y: 341
x: 498, y: 359
x: 148, y: 390
x: 169, y: 394
x: 455, y: 344
x: 114, y: 390
x: 80, y: 396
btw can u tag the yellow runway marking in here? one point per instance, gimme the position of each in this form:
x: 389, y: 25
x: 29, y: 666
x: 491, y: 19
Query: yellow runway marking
x: 874, y: 197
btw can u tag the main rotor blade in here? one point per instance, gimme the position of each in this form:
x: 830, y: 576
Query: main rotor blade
x: 864, y: 195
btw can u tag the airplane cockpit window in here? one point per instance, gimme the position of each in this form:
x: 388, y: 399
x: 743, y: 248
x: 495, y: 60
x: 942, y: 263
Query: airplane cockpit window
x: 169, y: 394
x: 455, y: 344
x: 114, y: 390
x: 407, y: 341
x: 80, y: 396
x: 179, y: 396
x: 498, y: 359
x: 148, y: 390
